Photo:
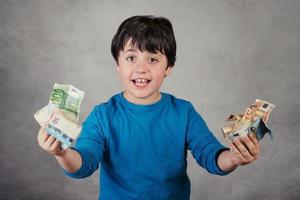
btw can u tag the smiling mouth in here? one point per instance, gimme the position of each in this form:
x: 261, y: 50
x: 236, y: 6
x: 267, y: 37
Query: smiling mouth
x: 140, y: 82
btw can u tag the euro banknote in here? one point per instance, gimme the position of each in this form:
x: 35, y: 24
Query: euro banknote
x: 254, y: 120
x: 63, y: 129
x: 66, y: 98
x: 63, y: 107
x: 44, y: 114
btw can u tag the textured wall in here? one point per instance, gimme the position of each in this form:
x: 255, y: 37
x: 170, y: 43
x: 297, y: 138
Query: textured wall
x: 229, y: 53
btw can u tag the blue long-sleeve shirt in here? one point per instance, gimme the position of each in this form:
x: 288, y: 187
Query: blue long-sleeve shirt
x: 142, y: 149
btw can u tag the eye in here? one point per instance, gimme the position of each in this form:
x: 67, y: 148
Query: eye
x: 153, y: 60
x: 130, y: 58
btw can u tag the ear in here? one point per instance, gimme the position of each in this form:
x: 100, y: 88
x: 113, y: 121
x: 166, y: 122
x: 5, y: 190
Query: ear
x: 168, y: 70
x: 117, y: 64
x: 118, y: 68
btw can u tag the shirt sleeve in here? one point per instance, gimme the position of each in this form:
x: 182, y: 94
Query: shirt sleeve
x: 203, y: 144
x: 90, y: 145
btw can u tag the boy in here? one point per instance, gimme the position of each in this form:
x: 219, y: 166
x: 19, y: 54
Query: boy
x: 140, y: 137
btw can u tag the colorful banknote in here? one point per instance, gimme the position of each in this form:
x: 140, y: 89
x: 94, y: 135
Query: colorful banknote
x: 62, y: 129
x: 66, y: 98
x: 253, y: 120
x: 63, y: 108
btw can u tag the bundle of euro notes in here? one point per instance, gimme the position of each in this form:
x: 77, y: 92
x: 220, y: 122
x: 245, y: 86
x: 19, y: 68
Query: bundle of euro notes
x: 61, y: 115
x: 253, y: 120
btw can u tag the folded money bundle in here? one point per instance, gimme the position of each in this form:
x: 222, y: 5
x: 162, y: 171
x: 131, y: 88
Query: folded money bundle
x: 61, y: 115
x: 253, y: 120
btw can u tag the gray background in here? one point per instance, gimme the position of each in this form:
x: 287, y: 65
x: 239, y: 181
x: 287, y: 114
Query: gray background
x: 229, y: 53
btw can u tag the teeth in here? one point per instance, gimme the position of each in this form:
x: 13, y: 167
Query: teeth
x: 141, y: 80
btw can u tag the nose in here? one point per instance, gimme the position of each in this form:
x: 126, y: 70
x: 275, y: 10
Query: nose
x: 141, y: 68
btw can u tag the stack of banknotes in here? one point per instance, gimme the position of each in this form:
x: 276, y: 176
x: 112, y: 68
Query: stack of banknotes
x: 60, y: 116
x: 253, y: 120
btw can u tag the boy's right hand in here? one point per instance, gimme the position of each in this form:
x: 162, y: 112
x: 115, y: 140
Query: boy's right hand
x: 49, y: 143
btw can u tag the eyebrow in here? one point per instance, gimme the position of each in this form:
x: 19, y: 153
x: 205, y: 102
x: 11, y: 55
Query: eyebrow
x: 133, y: 50
x: 130, y: 50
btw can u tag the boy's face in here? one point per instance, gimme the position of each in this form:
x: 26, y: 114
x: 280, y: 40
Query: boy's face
x: 142, y: 74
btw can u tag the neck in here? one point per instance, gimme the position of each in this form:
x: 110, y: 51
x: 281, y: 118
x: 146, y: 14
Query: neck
x: 142, y: 100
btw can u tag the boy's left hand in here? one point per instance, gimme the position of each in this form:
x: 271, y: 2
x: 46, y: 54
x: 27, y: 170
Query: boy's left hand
x: 245, y: 149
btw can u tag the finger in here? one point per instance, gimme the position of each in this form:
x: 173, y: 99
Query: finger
x: 46, y: 135
x: 42, y: 136
x: 49, y: 142
x: 249, y: 144
x: 55, y: 147
x: 239, y: 158
x: 254, y: 139
x: 243, y: 150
